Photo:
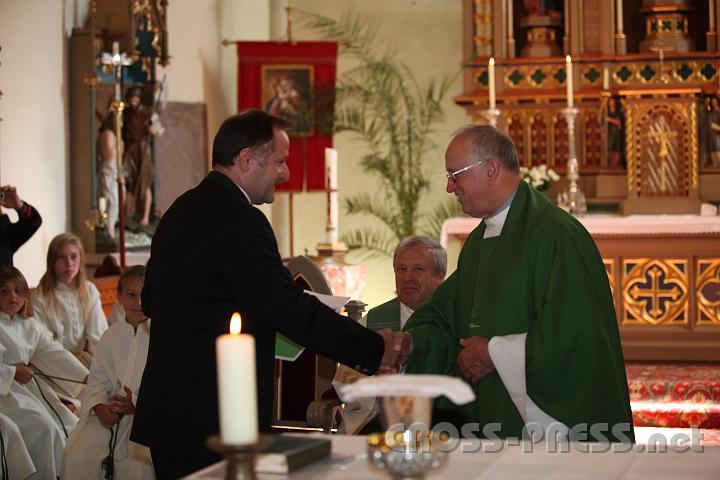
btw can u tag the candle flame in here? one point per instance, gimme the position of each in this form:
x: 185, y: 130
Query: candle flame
x: 492, y: 61
x: 235, y: 324
x: 568, y: 59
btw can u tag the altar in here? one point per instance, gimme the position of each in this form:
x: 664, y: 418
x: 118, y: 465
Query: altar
x: 664, y: 273
x: 475, y: 459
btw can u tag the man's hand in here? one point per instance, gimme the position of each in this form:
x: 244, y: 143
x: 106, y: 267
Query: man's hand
x: 398, y: 346
x: 23, y: 374
x: 474, y: 360
x: 123, y: 403
x: 11, y: 200
x: 106, y: 414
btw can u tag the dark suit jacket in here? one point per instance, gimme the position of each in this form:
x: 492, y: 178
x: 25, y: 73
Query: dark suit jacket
x: 13, y: 235
x: 214, y: 254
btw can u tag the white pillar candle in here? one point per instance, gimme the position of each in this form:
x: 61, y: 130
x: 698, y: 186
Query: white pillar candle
x: 102, y: 204
x: 491, y: 82
x: 237, y: 389
x: 331, y: 182
x: 619, y: 16
x: 569, y: 81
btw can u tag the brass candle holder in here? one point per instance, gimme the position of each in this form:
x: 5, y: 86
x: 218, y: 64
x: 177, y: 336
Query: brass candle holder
x: 239, y: 458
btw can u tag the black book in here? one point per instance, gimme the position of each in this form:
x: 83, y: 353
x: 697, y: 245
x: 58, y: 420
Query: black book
x: 288, y: 453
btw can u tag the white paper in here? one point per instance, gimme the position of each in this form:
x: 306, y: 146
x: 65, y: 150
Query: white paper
x: 332, y: 301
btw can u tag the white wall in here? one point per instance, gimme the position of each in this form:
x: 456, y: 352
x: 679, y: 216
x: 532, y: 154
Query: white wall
x: 33, y: 134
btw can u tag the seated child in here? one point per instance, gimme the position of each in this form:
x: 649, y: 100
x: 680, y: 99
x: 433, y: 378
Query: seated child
x: 101, y: 440
x: 66, y: 302
x: 44, y: 422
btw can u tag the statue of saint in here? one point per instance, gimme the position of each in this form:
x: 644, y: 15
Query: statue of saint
x: 615, y: 134
x: 713, y: 145
x: 140, y: 124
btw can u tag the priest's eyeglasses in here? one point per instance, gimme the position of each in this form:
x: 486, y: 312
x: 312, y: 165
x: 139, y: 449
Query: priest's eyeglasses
x: 453, y: 175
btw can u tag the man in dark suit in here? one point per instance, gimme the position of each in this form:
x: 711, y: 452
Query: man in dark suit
x: 214, y: 253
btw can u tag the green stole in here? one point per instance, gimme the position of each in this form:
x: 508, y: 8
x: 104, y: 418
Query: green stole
x: 543, y: 275
x: 386, y: 315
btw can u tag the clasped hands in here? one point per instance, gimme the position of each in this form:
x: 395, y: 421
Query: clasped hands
x: 474, y: 359
x: 398, y: 346
x: 111, y: 413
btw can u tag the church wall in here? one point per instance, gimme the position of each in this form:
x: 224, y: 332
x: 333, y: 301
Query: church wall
x: 428, y: 37
x: 34, y: 131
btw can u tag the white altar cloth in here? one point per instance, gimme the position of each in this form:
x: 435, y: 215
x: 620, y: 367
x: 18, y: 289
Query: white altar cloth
x: 613, y: 225
x: 349, y: 462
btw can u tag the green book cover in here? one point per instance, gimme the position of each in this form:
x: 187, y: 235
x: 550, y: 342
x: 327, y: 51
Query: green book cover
x: 288, y: 453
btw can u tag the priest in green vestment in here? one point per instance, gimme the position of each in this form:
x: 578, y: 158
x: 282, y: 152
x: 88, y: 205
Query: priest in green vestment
x: 528, y: 317
x: 420, y: 265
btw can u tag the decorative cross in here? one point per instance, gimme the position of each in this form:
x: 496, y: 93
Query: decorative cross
x: 116, y: 61
x: 655, y: 292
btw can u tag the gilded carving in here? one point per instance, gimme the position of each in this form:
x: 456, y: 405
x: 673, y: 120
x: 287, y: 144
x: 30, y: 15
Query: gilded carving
x: 707, y: 291
x: 655, y: 292
x: 662, y: 148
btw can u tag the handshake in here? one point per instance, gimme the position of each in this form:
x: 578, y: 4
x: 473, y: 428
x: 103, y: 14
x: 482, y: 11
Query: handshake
x: 398, y: 346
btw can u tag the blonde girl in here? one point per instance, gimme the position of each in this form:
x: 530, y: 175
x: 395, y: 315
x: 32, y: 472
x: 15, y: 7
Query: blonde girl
x: 66, y: 302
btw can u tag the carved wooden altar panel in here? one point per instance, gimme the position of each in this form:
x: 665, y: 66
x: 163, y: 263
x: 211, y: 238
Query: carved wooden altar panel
x: 662, y: 147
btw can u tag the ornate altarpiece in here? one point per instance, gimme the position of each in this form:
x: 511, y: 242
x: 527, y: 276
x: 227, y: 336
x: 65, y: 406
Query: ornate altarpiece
x: 659, y: 61
x: 640, y: 54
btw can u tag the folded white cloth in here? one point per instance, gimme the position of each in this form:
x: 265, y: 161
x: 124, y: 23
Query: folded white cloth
x: 428, y: 386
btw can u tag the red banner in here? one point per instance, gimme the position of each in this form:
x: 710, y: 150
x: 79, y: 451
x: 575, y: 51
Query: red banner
x: 292, y: 80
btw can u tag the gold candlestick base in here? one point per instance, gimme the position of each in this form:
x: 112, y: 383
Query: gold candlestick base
x: 239, y: 457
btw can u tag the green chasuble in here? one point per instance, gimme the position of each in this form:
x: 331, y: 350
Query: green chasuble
x: 386, y: 315
x: 542, y: 276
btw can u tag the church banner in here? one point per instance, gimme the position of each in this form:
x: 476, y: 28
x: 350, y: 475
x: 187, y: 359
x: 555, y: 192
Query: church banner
x: 294, y: 81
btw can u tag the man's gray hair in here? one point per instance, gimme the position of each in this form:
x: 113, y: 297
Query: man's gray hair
x: 438, y: 253
x: 490, y: 142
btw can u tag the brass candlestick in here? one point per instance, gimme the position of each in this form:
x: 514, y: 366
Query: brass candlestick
x: 239, y: 457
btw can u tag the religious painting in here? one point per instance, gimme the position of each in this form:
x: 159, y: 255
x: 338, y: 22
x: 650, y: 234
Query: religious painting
x: 287, y: 93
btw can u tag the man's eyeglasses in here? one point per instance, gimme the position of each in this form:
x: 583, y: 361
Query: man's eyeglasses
x: 453, y: 175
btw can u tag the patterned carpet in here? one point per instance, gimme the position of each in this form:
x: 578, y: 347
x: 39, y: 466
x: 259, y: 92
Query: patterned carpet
x: 675, y: 395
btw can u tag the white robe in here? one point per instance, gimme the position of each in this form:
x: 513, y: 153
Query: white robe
x: 70, y: 326
x: 119, y: 360
x: 34, y: 407
x: 18, y: 459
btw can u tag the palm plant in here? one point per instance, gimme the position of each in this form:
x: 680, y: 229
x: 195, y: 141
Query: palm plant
x: 381, y: 101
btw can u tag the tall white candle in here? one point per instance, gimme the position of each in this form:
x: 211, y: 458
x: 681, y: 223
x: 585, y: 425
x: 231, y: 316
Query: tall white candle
x: 331, y: 181
x: 569, y: 81
x: 619, y: 16
x: 491, y: 82
x: 237, y: 386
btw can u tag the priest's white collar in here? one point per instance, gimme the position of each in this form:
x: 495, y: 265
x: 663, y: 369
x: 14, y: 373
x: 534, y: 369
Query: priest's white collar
x: 494, y: 224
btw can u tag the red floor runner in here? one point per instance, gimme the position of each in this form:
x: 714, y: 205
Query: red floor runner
x: 675, y: 395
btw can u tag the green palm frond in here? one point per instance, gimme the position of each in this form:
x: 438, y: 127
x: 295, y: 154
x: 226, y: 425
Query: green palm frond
x: 448, y: 208
x: 371, y: 243
x: 364, y: 204
x: 382, y: 103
